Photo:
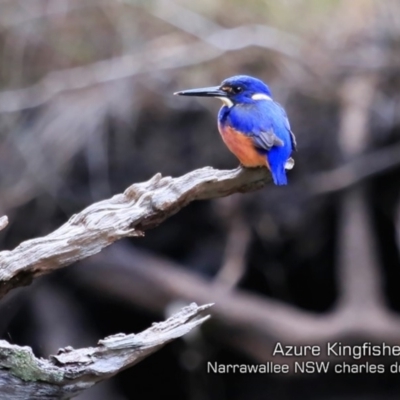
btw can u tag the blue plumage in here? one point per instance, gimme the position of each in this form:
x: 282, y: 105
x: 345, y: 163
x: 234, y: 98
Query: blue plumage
x: 255, y: 120
x: 253, y: 126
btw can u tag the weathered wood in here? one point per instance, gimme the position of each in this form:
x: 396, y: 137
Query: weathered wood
x: 68, y: 373
x: 142, y: 206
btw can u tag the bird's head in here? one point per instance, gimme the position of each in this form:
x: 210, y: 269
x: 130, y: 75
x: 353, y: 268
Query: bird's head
x: 240, y: 89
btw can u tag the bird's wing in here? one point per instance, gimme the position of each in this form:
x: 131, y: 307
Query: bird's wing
x: 266, y: 124
x: 293, y: 140
x: 266, y: 140
x: 287, y: 124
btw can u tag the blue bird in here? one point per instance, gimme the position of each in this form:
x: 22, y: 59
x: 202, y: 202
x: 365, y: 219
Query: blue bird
x: 253, y: 126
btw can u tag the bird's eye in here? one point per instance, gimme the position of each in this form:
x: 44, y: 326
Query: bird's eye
x: 232, y: 89
x: 236, y: 89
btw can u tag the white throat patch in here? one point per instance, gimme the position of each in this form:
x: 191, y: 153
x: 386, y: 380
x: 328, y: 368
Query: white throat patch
x: 226, y: 101
x: 261, y: 96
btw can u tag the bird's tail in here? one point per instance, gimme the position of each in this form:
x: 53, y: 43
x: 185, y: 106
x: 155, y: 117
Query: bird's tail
x: 277, y: 161
x: 279, y: 175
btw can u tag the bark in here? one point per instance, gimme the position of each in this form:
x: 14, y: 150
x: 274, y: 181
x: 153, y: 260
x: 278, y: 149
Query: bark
x: 142, y: 206
x: 70, y: 372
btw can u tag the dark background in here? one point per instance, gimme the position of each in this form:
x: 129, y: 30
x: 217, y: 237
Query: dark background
x: 86, y: 109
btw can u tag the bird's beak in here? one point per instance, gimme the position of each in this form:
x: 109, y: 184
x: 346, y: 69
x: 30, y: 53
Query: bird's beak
x: 213, y: 91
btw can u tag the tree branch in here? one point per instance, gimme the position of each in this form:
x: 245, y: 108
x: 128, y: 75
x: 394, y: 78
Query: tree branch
x: 243, y: 320
x: 70, y: 372
x: 142, y: 206
x: 358, y: 266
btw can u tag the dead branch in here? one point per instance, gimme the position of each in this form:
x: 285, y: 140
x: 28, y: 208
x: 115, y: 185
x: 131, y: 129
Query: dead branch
x: 354, y: 171
x: 244, y: 320
x: 130, y: 65
x: 234, y: 263
x: 213, y: 41
x: 70, y: 372
x: 142, y: 206
x: 358, y: 261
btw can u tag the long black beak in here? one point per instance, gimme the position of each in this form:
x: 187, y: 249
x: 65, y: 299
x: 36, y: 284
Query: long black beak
x: 213, y: 91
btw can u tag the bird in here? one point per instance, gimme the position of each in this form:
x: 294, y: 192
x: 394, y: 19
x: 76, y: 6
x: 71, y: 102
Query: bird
x: 253, y: 126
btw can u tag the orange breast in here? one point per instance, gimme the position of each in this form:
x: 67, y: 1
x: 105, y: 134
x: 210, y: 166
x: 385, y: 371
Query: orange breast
x: 242, y: 147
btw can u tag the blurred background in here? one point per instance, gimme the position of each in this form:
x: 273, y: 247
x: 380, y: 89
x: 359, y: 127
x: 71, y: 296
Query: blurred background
x: 86, y: 109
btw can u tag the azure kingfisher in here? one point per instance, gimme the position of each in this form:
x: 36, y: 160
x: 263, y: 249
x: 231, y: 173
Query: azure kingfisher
x: 253, y: 126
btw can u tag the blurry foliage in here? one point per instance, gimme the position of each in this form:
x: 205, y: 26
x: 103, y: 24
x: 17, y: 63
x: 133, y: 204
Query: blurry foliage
x: 92, y: 139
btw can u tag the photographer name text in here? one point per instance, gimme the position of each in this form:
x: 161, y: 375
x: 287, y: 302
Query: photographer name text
x: 337, y: 358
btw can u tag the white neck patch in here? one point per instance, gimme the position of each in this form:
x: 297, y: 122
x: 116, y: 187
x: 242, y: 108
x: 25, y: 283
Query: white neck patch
x: 261, y: 96
x: 226, y: 101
